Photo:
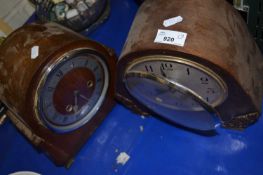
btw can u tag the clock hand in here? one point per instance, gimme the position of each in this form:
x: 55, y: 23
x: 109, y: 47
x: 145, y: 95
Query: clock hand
x: 75, y: 107
x: 83, y: 97
x: 162, y: 72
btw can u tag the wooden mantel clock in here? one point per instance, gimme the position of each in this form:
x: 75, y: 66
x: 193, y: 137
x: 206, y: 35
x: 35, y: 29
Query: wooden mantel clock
x: 57, y: 85
x: 193, y: 63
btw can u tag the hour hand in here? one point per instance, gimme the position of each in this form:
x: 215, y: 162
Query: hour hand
x: 83, y: 97
x: 75, y: 107
x: 162, y: 72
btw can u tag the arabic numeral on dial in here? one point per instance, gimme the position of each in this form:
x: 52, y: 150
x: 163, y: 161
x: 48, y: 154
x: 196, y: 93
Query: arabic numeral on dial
x: 162, y: 65
x: 55, y: 117
x: 72, y: 65
x: 65, y: 119
x: 47, y: 104
x: 188, y: 71
x: 95, y: 69
x: 210, y: 91
x: 87, y: 63
x: 204, y: 80
x: 50, y: 89
x: 148, y: 68
x: 168, y: 66
x: 168, y: 39
x: 98, y: 80
x: 59, y: 74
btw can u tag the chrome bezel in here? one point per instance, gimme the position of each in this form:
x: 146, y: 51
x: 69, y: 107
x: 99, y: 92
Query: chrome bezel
x: 93, y: 111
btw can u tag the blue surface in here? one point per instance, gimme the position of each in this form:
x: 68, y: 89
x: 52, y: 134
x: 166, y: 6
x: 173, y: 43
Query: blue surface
x: 159, y: 149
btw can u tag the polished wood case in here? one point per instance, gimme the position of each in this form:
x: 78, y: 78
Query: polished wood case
x: 217, y: 37
x: 20, y: 76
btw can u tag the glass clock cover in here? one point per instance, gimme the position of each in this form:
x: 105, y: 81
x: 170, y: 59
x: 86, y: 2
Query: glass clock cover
x: 73, y: 92
x: 181, y: 91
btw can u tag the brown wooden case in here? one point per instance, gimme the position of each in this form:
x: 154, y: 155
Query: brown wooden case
x: 217, y: 38
x: 20, y: 75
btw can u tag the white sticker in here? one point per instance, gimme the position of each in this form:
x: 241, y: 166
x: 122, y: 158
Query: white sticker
x: 34, y: 52
x: 171, y: 37
x: 172, y: 21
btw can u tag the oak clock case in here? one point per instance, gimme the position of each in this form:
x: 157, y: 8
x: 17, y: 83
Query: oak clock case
x: 214, y: 79
x: 57, y: 85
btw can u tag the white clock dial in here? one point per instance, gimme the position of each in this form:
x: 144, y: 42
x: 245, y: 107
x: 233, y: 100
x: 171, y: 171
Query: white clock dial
x: 202, y: 81
x: 180, y: 90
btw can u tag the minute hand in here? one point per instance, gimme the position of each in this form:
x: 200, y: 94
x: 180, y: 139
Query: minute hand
x: 75, y: 101
x: 83, y: 97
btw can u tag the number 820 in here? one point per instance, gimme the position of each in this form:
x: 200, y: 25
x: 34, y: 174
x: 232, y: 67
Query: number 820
x: 169, y: 39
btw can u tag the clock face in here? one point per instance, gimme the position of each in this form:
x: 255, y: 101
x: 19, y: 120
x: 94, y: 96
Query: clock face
x: 72, y: 91
x: 179, y: 90
x: 201, y: 81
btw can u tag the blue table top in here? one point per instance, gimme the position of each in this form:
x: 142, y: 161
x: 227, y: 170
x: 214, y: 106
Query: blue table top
x: 154, y: 146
